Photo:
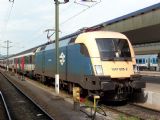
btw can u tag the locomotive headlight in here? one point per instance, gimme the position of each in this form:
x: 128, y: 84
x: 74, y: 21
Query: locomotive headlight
x: 99, y: 70
x: 135, y: 68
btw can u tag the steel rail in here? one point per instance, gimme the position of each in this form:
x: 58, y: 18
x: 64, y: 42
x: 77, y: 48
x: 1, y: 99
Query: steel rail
x: 5, y: 105
x: 122, y: 112
x: 114, y: 109
x: 14, y: 85
x: 151, y: 109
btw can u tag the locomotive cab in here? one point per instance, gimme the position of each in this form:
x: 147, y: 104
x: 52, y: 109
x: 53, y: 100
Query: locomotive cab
x: 113, y: 60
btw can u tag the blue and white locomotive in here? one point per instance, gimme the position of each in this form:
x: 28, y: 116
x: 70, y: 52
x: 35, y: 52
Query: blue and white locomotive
x: 100, y: 62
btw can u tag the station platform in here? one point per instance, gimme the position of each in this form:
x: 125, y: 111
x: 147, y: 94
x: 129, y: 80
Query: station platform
x: 151, y: 96
x: 149, y: 73
x: 59, y: 106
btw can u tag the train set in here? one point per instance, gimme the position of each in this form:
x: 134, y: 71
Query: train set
x: 147, y: 62
x: 99, y: 62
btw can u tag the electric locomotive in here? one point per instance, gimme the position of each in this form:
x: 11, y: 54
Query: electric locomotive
x: 100, y: 62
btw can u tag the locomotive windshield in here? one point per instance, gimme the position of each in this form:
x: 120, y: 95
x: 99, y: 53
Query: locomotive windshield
x: 113, y: 49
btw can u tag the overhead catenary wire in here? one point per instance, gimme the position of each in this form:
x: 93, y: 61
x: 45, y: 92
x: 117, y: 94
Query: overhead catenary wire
x: 62, y: 23
x: 37, y: 31
x: 40, y: 34
x: 7, y: 18
x: 10, y: 12
x: 11, y: 1
x: 75, y: 15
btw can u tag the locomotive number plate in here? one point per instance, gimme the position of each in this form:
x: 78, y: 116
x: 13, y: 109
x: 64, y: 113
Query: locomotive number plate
x: 119, y: 69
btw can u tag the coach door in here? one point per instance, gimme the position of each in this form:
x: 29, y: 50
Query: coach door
x: 148, y: 63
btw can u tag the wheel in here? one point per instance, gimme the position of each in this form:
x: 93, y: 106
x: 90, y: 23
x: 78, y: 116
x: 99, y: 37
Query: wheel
x: 43, y: 79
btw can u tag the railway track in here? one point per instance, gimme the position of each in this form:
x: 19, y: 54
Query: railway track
x: 135, y: 111
x: 132, y: 110
x: 4, y: 112
x: 18, y: 104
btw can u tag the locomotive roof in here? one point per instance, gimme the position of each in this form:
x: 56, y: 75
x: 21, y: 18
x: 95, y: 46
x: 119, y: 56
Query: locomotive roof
x: 85, y: 29
x: 35, y: 48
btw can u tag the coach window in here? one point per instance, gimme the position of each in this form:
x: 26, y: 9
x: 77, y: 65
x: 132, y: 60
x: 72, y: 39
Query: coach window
x: 151, y: 60
x: 143, y: 61
x: 156, y: 60
x: 84, y: 50
x: 140, y: 61
x: 26, y: 59
x: 30, y: 59
x: 158, y: 55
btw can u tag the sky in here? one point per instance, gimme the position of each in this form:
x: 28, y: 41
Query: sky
x: 24, y: 22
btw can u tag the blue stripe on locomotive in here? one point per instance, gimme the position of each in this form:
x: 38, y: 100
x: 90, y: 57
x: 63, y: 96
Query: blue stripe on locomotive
x: 74, y: 68
x: 78, y: 65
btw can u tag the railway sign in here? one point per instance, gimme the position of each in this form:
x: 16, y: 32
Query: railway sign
x: 62, y: 58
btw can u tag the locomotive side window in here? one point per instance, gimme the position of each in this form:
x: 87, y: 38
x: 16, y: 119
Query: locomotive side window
x: 113, y: 49
x: 84, y: 50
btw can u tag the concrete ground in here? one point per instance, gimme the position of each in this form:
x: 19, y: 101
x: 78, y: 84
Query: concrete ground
x: 61, y: 106
x: 58, y: 106
x: 152, y: 91
x: 149, y: 73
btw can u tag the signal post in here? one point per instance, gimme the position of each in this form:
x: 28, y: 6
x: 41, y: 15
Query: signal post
x: 76, y: 98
